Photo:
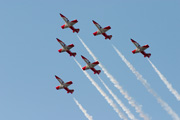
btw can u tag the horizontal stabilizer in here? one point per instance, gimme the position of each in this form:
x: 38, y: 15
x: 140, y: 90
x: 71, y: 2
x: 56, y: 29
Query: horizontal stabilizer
x: 76, y: 30
x: 147, y: 55
x: 70, y: 91
x: 73, y: 54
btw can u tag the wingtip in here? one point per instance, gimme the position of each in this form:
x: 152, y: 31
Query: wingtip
x: 56, y: 77
x: 61, y: 15
x: 82, y: 57
x: 58, y: 39
x: 94, y: 22
x: 132, y: 40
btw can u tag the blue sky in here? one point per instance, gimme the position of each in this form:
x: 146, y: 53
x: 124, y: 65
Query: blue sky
x: 30, y: 58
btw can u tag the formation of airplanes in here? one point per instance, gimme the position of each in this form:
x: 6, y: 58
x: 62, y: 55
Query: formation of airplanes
x: 89, y: 65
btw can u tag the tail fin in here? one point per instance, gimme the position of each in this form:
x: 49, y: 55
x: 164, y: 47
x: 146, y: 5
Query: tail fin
x: 97, y: 71
x: 109, y: 37
x: 73, y: 54
x: 147, y: 55
x: 76, y: 30
x: 70, y: 91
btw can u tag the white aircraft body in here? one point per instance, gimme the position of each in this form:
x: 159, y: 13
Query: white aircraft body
x: 102, y: 31
x: 66, y: 48
x: 64, y: 85
x: 140, y: 49
x: 69, y: 24
x: 90, y: 65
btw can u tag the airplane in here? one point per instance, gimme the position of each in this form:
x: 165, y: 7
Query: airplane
x: 90, y: 65
x: 69, y: 24
x: 66, y: 48
x: 102, y: 31
x: 64, y: 85
x: 140, y: 49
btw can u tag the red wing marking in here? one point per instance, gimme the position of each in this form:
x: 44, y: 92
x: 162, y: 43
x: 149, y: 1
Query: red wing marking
x: 145, y: 46
x: 133, y: 41
x: 62, y: 15
x: 57, y: 77
x: 70, y: 82
x: 95, y: 22
x: 74, y: 21
x: 108, y: 27
x: 96, y: 63
x: 71, y: 45
x: 58, y: 40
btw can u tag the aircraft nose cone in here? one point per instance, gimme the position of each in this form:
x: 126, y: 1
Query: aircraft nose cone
x: 84, y: 68
x: 57, y: 88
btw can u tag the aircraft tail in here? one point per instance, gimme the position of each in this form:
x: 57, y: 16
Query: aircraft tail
x: 97, y: 71
x: 70, y: 91
x: 76, y: 30
x: 73, y: 54
x: 109, y: 37
x: 147, y: 55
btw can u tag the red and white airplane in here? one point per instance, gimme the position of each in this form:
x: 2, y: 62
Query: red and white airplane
x: 90, y: 65
x: 140, y: 49
x: 102, y: 31
x: 69, y: 24
x: 64, y: 85
x: 66, y: 48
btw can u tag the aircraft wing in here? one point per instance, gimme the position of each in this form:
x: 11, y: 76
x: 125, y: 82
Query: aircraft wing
x: 135, y: 43
x: 106, y: 28
x: 59, y: 79
x: 73, y: 22
x: 94, y: 64
x: 144, y: 47
x: 86, y: 60
x: 97, y: 25
x: 64, y: 18
x: 70, y: 46
x: 69, y: 83
x: 61, y: 42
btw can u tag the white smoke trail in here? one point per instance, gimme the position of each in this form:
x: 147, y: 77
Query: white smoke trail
x: 168, y: 85
x: 83, y: 110
x: 131, y: 101
x: 147, y: 86
x: 111, y: 103
x: 125, y: 109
